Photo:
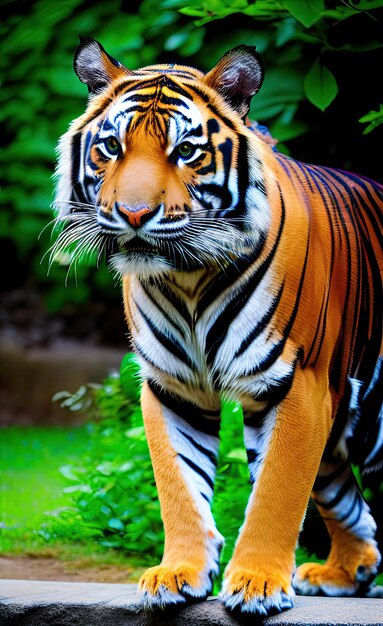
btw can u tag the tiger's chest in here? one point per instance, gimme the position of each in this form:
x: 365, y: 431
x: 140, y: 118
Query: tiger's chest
x: 201, y: 344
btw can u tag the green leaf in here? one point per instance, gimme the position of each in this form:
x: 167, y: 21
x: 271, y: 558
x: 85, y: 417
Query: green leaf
x: 237, y: 455
x: 283, y: 87
x: 106, y: 468
x: 320, y: 86
x: 374, y: 117
x: 116, y: 523
x: 192, y: 12
x: 77, y: 489
x: 69, y: 472
x: 286, y: 131
x: 285, y: 31
x: 130, y: 377
x: 305, y: 11
x: 135, y: 433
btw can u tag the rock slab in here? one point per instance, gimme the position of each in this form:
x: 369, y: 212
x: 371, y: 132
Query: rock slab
x: 40, y: 603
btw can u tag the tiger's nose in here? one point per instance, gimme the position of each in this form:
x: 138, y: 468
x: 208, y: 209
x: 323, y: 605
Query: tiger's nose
x: 135, y: 217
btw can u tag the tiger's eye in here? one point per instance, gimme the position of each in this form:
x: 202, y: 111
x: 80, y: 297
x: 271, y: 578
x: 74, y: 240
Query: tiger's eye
x: 186, y: 149
x: 112, y: 145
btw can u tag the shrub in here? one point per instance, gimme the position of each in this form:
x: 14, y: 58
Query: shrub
x: 113, y: 488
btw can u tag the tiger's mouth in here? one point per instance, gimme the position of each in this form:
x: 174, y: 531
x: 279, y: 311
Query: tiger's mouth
x: 138, y: 246
x: 138, y: 256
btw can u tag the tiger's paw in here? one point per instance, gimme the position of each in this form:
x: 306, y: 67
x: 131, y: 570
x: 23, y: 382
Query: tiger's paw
x: 313, y: 579
x: 256, y: 592
x: 162, y: 586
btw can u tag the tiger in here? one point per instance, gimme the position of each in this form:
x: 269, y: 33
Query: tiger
x: 247, y: 275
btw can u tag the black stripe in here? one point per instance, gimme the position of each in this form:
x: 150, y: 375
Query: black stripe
x: 210, y: 455
x: 174, y: 300
x: 206, y: 98
x: 75, y: 157
x: 307, y: 173
x: 321, y: 482
x: 147, y: 97
x: 173, y: 101
x: 170, y: 344
x: 252, y: 455
x: 358, y: 508
x: 356, y: 500
x: 269, y: 359
x: 261, y: 324
x: 278, y: 390
x: 143, y: 83
x: 319, y: 334
x: 198, y: 470
x: 191, y: 413
x: 95, y: 113
x: 345, y: 487
x: 146, y: 358
x: 195, y: 132
x: 135, y: 85
x: 218, y: 330
x: 170, y: 320
x: 177, y: 88
x: 339, y: 210
x: 277, y: 349
x: 228, y: 277
x: 370, y: 351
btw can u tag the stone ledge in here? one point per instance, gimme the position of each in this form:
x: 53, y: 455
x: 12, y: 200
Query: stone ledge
x: 39, y: 603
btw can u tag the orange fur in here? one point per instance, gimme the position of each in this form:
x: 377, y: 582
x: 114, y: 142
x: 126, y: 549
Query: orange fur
x: 185, y: 538
x: 267, y: 541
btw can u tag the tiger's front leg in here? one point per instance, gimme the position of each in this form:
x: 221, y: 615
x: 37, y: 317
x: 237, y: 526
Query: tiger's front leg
x: 284, y: 462
x: 184, y: 462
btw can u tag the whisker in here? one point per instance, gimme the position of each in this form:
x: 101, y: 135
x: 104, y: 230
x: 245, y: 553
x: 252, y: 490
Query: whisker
x: 75, y: 203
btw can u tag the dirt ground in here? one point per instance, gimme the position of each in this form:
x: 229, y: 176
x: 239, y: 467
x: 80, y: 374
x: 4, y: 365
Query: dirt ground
x: 29, y: 568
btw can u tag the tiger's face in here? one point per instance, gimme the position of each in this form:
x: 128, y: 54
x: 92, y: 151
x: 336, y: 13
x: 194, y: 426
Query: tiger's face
x: 159, y: 170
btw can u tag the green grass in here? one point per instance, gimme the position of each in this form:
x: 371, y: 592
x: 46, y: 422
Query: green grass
x: 31, y: 483
x: 31, y: 490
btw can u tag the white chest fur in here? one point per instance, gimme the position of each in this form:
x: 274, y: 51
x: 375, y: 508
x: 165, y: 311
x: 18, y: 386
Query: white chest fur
x: 188, y: 340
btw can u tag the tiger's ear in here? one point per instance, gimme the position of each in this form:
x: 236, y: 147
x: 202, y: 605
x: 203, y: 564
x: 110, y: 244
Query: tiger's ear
x: 95, y: 67
x: 237, y: 77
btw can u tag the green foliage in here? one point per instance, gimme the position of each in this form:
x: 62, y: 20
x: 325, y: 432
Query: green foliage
x: 113, y: 488
x: 30, y: 457
x: 375, y: 119
x: 297, y: 30
x: 320, y: 86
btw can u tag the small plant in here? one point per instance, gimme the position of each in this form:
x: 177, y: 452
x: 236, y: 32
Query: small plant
x: 113, y: 488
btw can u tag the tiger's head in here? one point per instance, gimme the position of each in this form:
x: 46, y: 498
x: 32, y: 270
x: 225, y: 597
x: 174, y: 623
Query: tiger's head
x: 160, y: 171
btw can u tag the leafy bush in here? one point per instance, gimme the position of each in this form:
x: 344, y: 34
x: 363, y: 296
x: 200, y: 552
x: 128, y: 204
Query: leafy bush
x: 113, y: 489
